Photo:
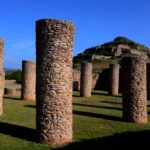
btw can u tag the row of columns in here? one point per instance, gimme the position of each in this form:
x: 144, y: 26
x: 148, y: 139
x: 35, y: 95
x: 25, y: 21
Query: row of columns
x: 29, y: 80
x: 54, y: 43
x: 86, y: 79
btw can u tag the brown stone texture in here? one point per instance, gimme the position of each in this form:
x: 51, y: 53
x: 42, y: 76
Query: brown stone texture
x: 9, y: 81
x: 2, y: 75
x: 134, y: 89
x: 8, y: 91
x: 114, y: 79
x: 28, y: 80
x: 76, y: 80
x: 54, y: 44
x: 86, y: 79
x: 148, y: 81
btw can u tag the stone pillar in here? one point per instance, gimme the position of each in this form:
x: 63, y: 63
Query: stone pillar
x: 114, y: 79
x: 54, y: 44
x: 86, y: 79
x: 28, y: 80
x: 134, y: 89
x: 2, y: 75
x: 148, y: 81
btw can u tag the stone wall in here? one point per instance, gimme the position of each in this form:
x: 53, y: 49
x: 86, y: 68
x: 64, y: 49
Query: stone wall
x: 134, y: 89
x: 76, y: 80
x: 54, y: 43
x: 100, y: 81
x: 2, y: 75
x: 86, y: 79
x: 9, y: 81
x: 9, y: 91
x: 28, y: 80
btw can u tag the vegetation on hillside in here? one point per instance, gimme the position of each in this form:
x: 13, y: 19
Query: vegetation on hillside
x: 106, y: 49
x: 14, y: 75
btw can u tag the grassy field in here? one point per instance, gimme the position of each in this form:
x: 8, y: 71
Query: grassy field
x: 97, y: 125
x: 13, y: 85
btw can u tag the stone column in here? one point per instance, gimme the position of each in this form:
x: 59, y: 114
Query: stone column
x: 134, y: 89
x: 28, y: 80
x: 54, y: 44
x: 86, y: 79
x: 2, y: 75
x: 148, y: 81
x: 114, y: 79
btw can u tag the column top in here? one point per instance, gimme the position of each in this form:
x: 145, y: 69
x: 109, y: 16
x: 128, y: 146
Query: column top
x: 55, y: 21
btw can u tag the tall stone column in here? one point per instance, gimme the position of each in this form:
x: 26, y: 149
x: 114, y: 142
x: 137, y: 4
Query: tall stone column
x: 28, y: 80
x: 134, y: 89
x: 2, y: 75
x: 148, y: 81
x: 54, y: 44
x: 114, y: 79
x: 86, y: 79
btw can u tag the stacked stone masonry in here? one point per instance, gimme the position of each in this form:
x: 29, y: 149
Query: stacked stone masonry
x: 134, y: 89
x: 86, y: 79
x: 10, y: 91
x: 2, y: 75
x: 54, y: 44
x: 76, y: 80
x: 148, y: 81
x: 9, y: 81
x: 28, y: 80
x: 114, y: 79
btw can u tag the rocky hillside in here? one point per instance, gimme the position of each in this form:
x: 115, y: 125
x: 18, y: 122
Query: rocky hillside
x: 112, y: 50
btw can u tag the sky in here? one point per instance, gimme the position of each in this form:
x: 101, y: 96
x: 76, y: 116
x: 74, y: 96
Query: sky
x: 96, y: 21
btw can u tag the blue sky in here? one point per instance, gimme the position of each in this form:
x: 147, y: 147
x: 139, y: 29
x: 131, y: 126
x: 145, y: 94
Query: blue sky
x: 97, y: 21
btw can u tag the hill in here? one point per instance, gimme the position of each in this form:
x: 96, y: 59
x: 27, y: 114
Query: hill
x: 112, y: 50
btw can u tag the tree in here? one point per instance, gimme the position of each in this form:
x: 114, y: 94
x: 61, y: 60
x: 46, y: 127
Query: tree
x: 15, y: 75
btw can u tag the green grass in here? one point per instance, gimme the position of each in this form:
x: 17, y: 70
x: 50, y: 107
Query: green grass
x: 13, y: 85
x: 97, y: 125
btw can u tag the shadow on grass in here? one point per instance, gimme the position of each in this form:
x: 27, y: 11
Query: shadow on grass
x: 122, y: 141
x: 30, y: 106
x: 12, y: 98
x: 104, y: 94
x: 111, y: 102
x: 18, y: 131
x: 95, y: 106
x: 89, y: 114
x: 74, y: 95
x: 99, y: 93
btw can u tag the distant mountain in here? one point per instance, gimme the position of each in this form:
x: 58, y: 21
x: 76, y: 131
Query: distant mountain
x: 116, y: 48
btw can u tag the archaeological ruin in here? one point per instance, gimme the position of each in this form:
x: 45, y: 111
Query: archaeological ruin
x: 114, y: 79
x: 54, y: 44
x: 134, y: 89
x: 9, y: 91
x: 76, y: 80
x: 86, y: 79
x: 28, y: 80
x: 2, y: 75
